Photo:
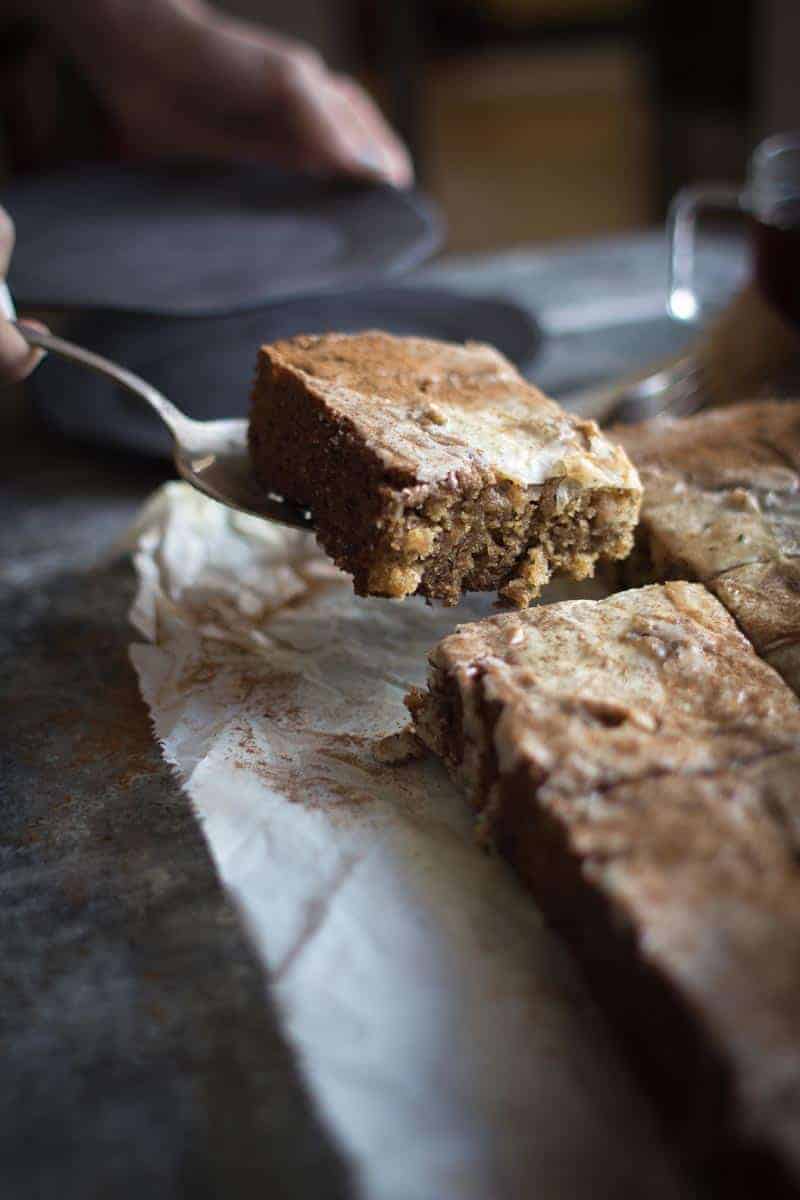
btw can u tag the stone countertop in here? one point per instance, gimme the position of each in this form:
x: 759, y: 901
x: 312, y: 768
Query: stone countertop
x: 141, y: 1054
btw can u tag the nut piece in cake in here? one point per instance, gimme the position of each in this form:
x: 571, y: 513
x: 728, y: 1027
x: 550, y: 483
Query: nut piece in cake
x: 637, y: 762
x: 435, y: 468
x: 722, y: 505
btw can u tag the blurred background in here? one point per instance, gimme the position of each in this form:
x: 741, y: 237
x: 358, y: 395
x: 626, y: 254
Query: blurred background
x: 529, y: 120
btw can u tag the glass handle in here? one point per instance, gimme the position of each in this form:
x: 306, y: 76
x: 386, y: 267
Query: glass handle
x: 682, y: 300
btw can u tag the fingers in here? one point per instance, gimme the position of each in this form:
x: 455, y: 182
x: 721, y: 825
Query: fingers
x: 376, y: 138
x: 17, y: 358
x: 223, y: 87
x: 294, y: 109
x: 340, y: 128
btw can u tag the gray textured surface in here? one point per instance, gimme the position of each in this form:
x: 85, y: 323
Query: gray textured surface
x: 140, y: 1053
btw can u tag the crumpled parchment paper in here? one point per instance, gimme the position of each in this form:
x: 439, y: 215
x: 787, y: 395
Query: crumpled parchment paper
x: 441, y: 1028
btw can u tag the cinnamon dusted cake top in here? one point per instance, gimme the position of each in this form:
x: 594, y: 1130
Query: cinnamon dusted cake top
x: 435, y: 469
x: 722, y: 488
x: 427, y: 409
x: 722, y: 504
x: 652, y: 680
x: 637, y: 762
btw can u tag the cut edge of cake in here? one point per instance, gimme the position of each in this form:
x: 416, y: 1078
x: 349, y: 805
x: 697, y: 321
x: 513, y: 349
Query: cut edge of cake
x: 721, y: 506
x: 473, y: 526
x: 675, y: 877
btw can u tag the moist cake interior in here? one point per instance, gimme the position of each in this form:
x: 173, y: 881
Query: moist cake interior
x: 436, y: 469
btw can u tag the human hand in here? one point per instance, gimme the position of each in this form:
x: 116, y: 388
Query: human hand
x: 17, y: 358
x: 179, y: 77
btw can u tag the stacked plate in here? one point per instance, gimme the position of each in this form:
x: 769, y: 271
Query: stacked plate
x: 180, y: 272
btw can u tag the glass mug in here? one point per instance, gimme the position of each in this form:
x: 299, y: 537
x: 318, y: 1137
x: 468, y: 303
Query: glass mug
x: 771, y: 200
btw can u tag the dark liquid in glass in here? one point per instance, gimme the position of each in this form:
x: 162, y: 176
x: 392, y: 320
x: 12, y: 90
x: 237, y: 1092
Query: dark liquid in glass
x: 777, y: 258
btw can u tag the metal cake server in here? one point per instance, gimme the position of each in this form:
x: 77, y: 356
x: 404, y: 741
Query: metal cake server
x: 676, y: 388
x: 210, y: 455
x: 746, y: 350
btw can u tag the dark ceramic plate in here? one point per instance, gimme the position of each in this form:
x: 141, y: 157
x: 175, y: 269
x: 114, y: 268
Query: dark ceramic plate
x: 205, y: 366
x: 199, y: 240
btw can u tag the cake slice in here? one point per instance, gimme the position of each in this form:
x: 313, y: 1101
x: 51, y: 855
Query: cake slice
x: 638, y: 764
x: 435, y: 468
x: 722, y: 505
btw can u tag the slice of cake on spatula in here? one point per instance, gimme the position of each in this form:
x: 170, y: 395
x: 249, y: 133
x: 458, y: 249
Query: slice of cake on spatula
x: 435, y: 468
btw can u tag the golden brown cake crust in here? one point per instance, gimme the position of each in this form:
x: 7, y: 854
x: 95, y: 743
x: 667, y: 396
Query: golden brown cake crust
x: 435, y: 468
x: 637, y: 762
x: 722, y: 505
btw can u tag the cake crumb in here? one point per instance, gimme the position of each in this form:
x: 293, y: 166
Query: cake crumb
x: 397, y: 748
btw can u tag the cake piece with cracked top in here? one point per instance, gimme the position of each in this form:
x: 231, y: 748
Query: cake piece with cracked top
x: 722, y: 505
x: 637, y: 762
x: 435, y: 468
